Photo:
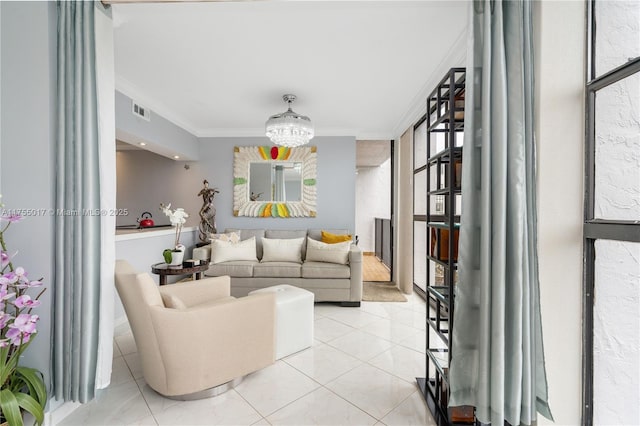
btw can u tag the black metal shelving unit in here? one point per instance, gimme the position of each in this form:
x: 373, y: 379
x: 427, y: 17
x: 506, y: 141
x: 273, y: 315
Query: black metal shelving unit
x: 445, y: 119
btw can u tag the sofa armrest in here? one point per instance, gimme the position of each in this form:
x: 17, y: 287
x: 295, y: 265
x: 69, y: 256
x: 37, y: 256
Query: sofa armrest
x: 355, y: 254
x: 205, y: 346
x: 202, y: 253
x: 355, y: 264
x: 195, y: 292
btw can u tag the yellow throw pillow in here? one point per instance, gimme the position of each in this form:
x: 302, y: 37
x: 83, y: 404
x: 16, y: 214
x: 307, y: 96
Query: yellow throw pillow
x: 329, y: 238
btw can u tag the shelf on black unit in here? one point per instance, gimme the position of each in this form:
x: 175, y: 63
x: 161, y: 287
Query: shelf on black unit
x: 440, y: 358
x: 446, y: 264
x: 442, y: 225
x: 445, y: 191
x: 440, y: 292
x: 445, y: 155
x: 458, y: 124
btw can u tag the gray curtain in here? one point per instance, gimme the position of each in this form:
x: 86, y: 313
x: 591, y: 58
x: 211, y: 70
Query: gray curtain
x: 77, y: 227
x: 497, y: 357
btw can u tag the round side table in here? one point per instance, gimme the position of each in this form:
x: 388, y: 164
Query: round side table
x: 162, y: 269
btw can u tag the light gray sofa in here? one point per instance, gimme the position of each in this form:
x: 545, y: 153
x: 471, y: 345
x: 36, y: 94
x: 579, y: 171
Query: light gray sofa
x: 329, y: 282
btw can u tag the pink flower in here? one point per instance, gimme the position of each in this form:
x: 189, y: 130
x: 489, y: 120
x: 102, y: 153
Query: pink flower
x: 22, y: 328
x: 9, y: 278
x: 4, y: 294
x: 4, y: 343
x: 25, y: 301
x: 17, y: 338
x: 4, y: 319
x: 11, y: 218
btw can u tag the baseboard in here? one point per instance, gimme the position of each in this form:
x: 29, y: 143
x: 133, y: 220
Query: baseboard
x: 56, y: 416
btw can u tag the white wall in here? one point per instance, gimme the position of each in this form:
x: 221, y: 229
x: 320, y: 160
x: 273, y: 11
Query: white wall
x: 559, y: 114
x: 373, y: 200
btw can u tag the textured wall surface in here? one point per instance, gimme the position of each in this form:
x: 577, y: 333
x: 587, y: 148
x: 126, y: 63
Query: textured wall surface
x: 373, y: 200
x: 616, y: 331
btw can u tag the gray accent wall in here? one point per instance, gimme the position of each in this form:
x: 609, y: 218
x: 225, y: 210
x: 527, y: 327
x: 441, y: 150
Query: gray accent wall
x: 28, y: 50
x: 336, y: 183
x: 160, y: 134
x: 145, y: 179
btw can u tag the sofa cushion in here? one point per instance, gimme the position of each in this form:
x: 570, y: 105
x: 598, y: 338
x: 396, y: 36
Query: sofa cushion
x: 285, y: 233
x: 277, y: 269
x: 282, y: 250
x: 318, y: 251
x: 173, y: 302
x: 312, y: 269
x: 226, y: 251
x: 233, y: 237
x: 248, y: 233
x: 236, y: 269
x: 331, y: 238
x: 316, y: 234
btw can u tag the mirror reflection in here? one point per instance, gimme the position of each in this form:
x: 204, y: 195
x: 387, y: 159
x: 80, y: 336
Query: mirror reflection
x: 275, y: 181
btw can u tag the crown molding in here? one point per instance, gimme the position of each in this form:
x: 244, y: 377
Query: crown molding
x: 157, y: 107
x: 455, y: 58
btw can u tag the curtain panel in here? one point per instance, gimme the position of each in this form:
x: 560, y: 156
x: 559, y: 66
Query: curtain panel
x: 497, y: 360
x: 77, y: 198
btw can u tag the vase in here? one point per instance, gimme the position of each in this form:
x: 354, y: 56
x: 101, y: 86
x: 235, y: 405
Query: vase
x: 176, y: 258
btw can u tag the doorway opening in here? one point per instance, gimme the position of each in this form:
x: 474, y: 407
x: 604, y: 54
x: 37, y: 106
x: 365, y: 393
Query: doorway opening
x: 374, y: 208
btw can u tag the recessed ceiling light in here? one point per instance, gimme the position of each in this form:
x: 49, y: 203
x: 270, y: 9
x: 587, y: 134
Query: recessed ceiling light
x: 142, y: 144
x: 176, y: 156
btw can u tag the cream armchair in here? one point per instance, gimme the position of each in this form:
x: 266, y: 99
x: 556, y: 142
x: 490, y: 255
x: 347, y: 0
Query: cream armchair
x: 193, y: 336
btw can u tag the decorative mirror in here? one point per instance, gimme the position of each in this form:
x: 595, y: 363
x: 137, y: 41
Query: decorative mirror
x: 271, y: 181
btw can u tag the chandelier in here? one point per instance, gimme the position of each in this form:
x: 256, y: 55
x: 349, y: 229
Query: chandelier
x: 289, y: 128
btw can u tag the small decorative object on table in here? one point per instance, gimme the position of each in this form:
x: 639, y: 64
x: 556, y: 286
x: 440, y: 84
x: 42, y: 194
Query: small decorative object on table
x: 21, y: 388
x: 177, y: 217
x: 207, y: 212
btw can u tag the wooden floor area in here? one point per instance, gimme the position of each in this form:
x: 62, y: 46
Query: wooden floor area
x: 373, y: 269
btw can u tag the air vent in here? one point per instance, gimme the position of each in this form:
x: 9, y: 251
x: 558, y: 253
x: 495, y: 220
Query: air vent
x: 140, y: 111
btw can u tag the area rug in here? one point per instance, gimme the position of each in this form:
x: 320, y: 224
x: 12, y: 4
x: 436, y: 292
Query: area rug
x: 381, y: 292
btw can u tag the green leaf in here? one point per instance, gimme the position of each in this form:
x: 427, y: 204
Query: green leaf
x: 239, y: 181
x: 31, y: 405
x: 33, y: 379
x: 167, y: 255
x: 10, y: 408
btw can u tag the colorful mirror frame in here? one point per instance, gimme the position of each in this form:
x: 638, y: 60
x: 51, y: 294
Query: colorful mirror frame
x: 245, y: 155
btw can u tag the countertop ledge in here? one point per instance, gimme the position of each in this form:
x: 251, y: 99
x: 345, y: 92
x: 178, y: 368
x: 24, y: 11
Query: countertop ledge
x: 134, y: 234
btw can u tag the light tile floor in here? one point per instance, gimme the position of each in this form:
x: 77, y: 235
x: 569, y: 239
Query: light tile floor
x: 360, y: 371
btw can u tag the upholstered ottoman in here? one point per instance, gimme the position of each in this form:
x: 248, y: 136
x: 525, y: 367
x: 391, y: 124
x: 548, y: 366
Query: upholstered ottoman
x: 294, y: 318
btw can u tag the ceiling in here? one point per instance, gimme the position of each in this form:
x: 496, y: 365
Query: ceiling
x: 361, y: 68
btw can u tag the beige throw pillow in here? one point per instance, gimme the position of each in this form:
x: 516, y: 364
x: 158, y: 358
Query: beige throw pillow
x: 233, y: 237
x: 318, y: 251
x: 282, y: 250
x: 226, y: 251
